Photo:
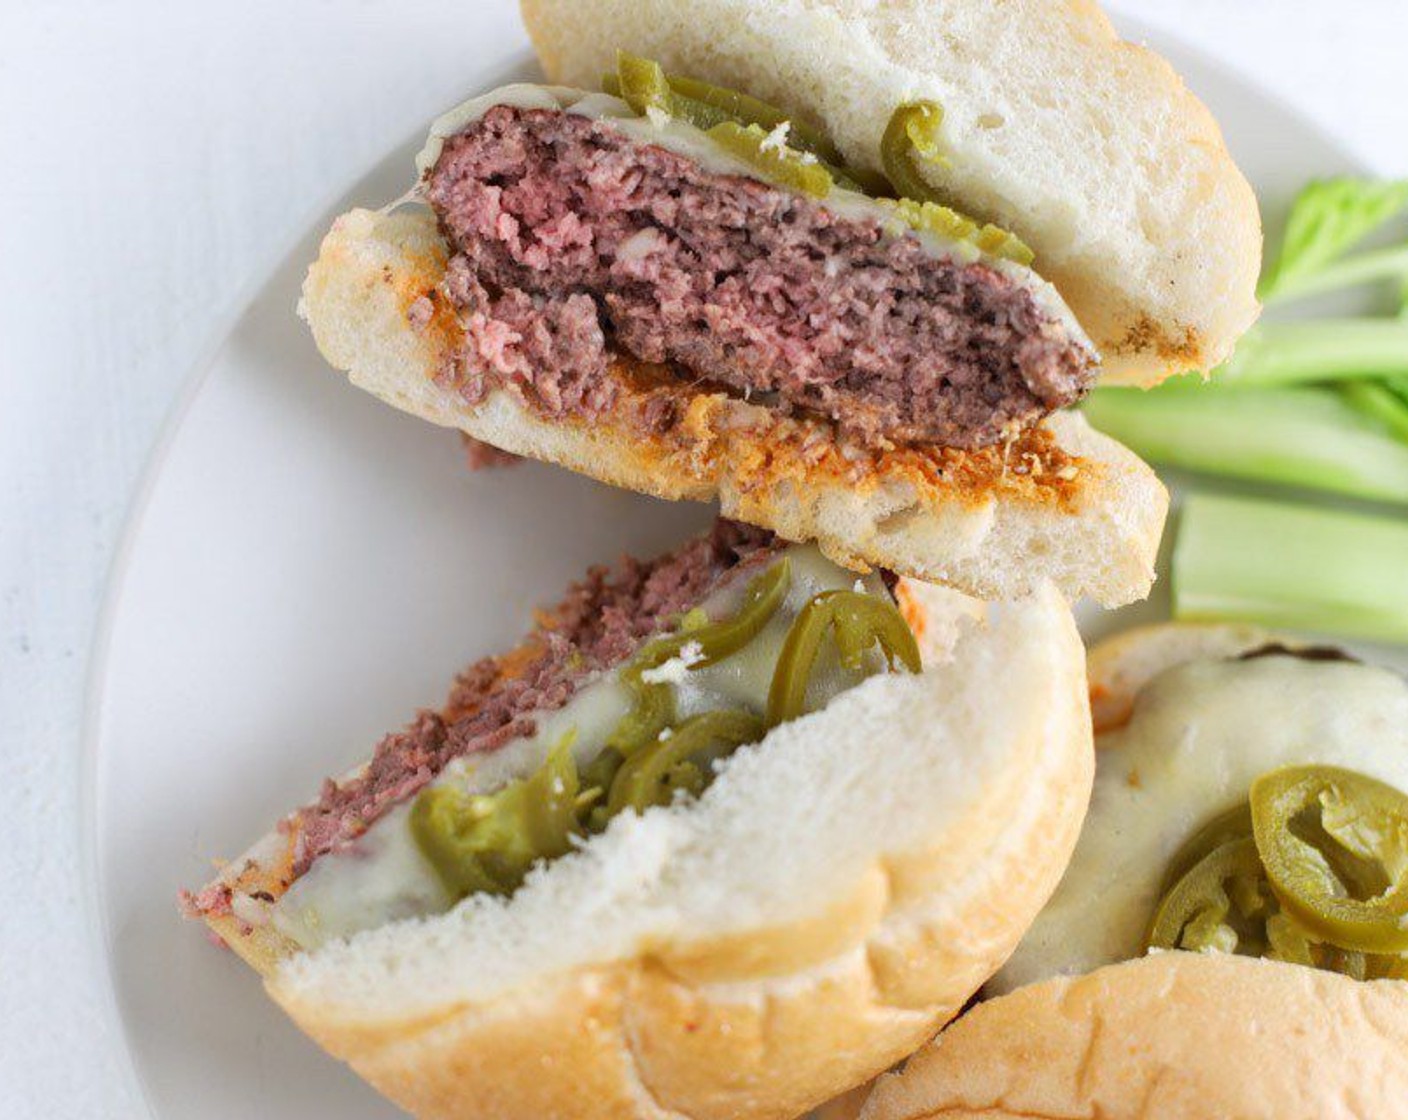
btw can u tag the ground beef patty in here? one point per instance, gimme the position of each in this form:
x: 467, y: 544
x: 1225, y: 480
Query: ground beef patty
x: 599, y: 624
x: 569, y: 236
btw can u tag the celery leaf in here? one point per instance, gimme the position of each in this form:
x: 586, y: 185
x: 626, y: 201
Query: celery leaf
x: 1329, y: 217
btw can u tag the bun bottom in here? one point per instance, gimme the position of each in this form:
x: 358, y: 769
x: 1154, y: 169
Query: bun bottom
x: 1172, y: 1036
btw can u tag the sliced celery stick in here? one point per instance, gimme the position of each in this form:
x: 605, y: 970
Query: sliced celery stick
x: 1362, y: 268
x: 1384, y: 403
x: 1295, y: 437
x: 1317, y: 350
x: 1292, y: 566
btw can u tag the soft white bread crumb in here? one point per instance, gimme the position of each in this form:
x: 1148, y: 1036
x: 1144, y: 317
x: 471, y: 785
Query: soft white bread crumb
x: 994, y: 523
x: 837, y: 894
x: 1088, y: 147
x: 1174, y: 1036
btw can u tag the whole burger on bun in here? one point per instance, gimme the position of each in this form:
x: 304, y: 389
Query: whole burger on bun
x: 731, y: 831
x: 837, y: 266
x: 1231, y: 937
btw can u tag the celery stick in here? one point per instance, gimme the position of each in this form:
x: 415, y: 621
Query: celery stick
x: 1361, y: 268
x: 1291, y: 566
x: 1295, y: 437
x: 1385, y: 404
x: 1318, y: 350
x: 1328, y: 218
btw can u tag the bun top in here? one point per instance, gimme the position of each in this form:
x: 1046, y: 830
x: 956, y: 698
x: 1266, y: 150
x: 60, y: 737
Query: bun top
x: 1089, y: 148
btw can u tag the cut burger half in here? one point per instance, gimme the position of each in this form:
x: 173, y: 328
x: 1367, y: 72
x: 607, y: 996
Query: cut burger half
x: 674, y: 287
x: 731, y: 831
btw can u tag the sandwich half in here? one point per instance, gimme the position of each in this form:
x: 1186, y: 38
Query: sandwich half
x: 732, y: 831
x: 853, y: 313
x: 1229, y: 939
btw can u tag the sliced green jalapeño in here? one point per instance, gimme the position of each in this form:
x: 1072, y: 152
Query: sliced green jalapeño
x: 779, y: 163
x: 643, y: 85
x: 654, y: 709
x: 936, y: 218
x: 1335, y: 846
x: 911, y: 137
x: 805, y: 160
x: 681, y: 760
x: 1309, y: 870
x: 740, y: 124
x: 857, y: 622
x: 488, y: 842
x: 1223, y: 904
x: 1216, y: 906
x: 1234, y: 824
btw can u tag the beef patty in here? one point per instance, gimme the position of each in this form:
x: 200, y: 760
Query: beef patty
x: 570, y: 237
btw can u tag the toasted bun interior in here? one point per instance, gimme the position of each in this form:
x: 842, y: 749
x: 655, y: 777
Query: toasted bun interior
x: 835, y: 896
x: 1088, y: 147
x: 1175, y: 1036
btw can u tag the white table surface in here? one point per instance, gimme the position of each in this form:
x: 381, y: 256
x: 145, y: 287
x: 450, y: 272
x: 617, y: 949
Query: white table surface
x: 157, y: 158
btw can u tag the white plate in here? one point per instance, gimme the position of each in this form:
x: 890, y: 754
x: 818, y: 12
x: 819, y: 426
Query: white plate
x: 308, y: 567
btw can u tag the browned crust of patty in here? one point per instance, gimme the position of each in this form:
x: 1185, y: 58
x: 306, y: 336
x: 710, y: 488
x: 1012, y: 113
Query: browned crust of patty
x: 764, y: 446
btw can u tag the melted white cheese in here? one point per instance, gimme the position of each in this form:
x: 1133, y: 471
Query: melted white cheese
x: 694, y: 144
x: 1199, y: 735
x: 382, y: 876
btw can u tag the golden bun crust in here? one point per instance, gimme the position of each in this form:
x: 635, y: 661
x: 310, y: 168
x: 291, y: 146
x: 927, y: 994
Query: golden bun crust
x: 777, y: 1016
x: 1174, y: 1036
x: 1090, y: 148
x: 1062, y: 503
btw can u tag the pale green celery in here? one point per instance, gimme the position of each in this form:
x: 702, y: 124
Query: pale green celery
x: 1294, y: 437
x: 1383, y: 403
x: 1328, y: 218
x: 1361, y: 268
x: 1318, y: 350
x: 1291, y: 567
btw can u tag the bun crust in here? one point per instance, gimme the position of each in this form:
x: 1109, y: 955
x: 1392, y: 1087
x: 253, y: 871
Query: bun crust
x: 760, y: 1001
x: 1175, y: 1036
x: 1088, y: 147
x: 1063, y: 504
